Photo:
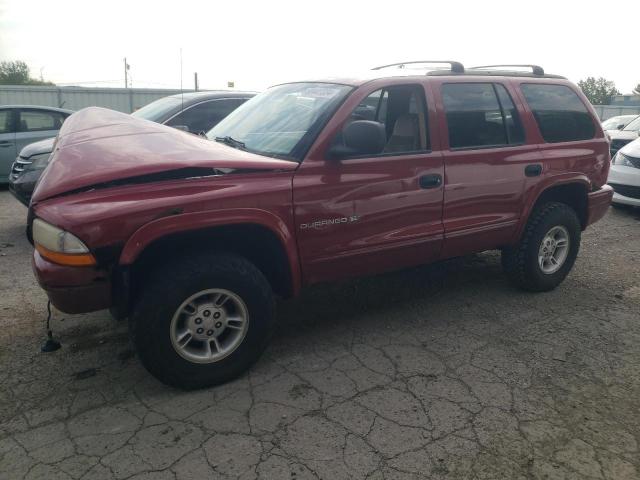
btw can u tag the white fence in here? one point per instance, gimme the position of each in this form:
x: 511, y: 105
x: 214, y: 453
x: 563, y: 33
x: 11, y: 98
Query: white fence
x: 608, y: 111
x: 74, y: 98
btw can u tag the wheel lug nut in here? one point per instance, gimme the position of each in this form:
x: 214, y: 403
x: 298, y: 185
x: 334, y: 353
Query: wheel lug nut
x: 218, y: 324
x: 209, y: 332
x: 206, y: 313
x: 216, y: 315
x: 198, y: 321
x: 200, y: 330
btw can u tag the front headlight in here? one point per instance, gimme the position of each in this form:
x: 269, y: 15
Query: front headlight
x: 59, y: 246
x: 621, y: 159
x: 38, y: 162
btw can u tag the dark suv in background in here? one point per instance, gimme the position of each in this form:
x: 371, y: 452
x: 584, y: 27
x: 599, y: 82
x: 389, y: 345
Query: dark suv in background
x: 195, y: 112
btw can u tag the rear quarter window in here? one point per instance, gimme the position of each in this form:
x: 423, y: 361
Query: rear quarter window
x: 559, y: 112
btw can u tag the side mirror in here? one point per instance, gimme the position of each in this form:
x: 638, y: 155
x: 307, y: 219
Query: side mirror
x: 182, y: 128
x: 361, y: 137
x: 620, y: 127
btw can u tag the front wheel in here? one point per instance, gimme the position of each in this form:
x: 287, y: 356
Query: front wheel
x: 547, y: 251
x: 203, y: 319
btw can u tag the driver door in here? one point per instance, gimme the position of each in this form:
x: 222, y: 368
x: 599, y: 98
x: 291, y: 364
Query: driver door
x: 371, y: 213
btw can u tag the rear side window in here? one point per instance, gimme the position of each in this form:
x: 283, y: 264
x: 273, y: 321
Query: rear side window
x: 480, y: 115
x: 559, y: 112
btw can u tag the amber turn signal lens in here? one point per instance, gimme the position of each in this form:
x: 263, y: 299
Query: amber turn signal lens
x: 68, y: 259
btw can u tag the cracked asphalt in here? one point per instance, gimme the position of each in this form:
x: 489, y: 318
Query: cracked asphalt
x: 442, y: 372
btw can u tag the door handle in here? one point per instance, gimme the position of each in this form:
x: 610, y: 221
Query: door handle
x: 533, y: 170
x: 430, y: 181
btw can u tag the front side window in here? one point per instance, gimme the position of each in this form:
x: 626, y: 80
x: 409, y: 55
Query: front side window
x: 401, y: 110
x: 559, y: 112
x: 480, y: 115
x: 36, y: 121
x: 283, y: 121
x: 204, y: 116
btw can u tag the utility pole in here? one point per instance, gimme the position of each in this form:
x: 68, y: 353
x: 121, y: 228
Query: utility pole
x: 126, y: 73
x: 195, y: 80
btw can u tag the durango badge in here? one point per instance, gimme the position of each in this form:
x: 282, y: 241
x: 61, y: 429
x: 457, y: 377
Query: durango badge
x: 329, y: 221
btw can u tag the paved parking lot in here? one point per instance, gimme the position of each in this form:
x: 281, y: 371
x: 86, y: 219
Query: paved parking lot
x: 437, y: 372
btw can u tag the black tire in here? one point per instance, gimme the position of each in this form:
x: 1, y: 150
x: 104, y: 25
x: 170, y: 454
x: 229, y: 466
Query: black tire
x: 169, y: 287
x: 521, y: 262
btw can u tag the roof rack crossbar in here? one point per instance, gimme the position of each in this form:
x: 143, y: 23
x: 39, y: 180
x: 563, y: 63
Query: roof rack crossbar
x: 537, y: 70
x: 456, y: 67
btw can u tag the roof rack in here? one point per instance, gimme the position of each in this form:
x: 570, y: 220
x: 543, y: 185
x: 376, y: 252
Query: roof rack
x: 535, y: 69
x: 456, y: 67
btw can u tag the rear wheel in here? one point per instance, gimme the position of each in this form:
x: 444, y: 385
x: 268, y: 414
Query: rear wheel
x: 203, y: 320
x: 547, y: 251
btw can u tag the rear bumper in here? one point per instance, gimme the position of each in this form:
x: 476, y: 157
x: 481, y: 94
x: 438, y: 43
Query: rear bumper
x: 598, y: 203
x: 73, y: 289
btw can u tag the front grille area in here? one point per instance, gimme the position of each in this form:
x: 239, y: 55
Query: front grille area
x: 616, y: 145
x: 626, y: 190
x: 18, y: 167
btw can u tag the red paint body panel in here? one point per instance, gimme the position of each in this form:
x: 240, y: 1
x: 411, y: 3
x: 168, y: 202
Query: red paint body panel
x: 334, y: 219
x: 398, y: 223
x: 73, y: 289
x: 599, y: 202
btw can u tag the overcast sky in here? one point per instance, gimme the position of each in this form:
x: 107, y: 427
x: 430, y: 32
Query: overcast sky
x: 259, y: 43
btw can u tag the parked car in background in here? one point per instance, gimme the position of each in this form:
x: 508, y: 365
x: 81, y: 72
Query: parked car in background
x: 195, y: 112
x: 624, y: 175
x: 619, y: 138
x: 21, y: 125
x: 193, y: 238
x: 618, y: 123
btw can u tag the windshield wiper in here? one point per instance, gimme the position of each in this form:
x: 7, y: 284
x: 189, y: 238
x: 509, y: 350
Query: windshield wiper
x: 232, y: 142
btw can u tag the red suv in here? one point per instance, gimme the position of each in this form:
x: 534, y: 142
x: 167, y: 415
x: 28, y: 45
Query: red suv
x: 191, y: 238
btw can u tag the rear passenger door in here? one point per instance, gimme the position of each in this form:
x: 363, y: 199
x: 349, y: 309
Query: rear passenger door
x: 485, y: 156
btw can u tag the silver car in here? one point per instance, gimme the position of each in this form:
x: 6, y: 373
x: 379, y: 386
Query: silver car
x: 21, y: 125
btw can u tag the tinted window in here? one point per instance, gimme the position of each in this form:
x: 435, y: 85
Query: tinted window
x: 515, y: 132
x: 474, y: 116
x: 5, y: 121
x: 35, y: 121
x: 561, y: 115
x: 204, y: 116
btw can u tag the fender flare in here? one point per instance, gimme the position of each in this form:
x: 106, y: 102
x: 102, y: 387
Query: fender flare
x: 536, y: 191
x: 189, y: 222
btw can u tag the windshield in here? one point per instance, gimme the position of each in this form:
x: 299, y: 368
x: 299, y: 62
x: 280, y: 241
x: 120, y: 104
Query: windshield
x: 612, y: 123
x: 633, y: 126
x: 283, y: 121
x: 156, y: 111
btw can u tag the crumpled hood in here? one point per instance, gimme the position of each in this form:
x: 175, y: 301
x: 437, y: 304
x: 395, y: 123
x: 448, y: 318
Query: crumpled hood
x: 97, y: 146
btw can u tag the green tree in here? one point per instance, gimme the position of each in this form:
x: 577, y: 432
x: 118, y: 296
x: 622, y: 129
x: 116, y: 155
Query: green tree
x: 637, y: 89
x: 17, y: 73
x: 598, y: 91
